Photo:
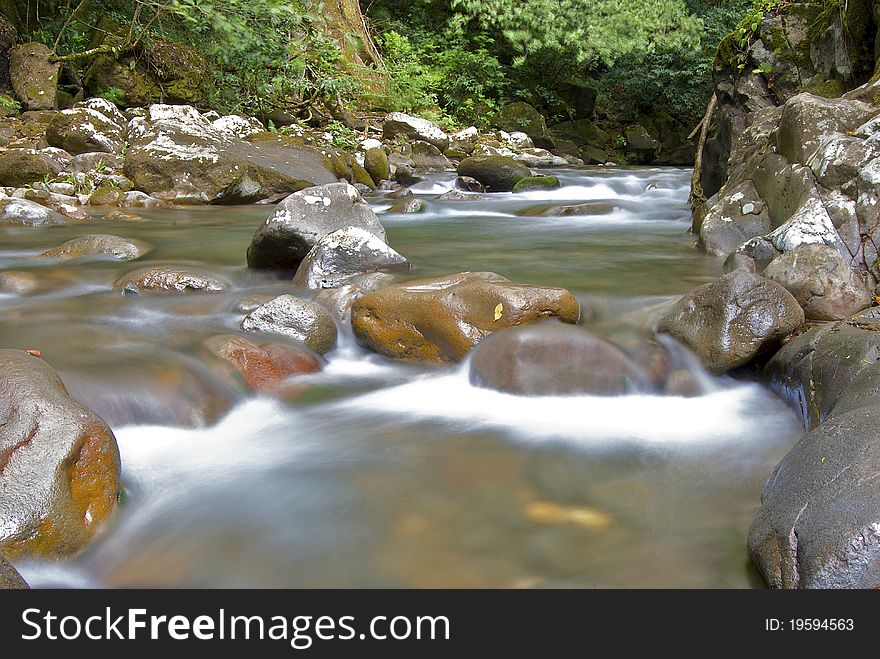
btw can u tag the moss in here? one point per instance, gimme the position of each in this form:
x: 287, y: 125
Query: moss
x: 827, y: 87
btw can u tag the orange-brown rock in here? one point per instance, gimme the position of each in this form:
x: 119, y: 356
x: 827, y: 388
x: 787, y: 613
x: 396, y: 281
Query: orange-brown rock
x: 264, y: 367
x: 442, y: 318
x: 59, y: 463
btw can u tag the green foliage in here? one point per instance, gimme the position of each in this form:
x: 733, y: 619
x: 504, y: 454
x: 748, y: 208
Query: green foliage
x: 114, y: 95
x: 8, y: 103
x: 341, y: 135
x: 749, y: 25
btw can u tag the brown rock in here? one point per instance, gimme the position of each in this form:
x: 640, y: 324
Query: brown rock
x: 441, y: 319
x: 59, y: 463
x: 266, y: 366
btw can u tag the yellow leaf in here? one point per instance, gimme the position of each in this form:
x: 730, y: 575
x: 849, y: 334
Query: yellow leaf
x: 498, y: 311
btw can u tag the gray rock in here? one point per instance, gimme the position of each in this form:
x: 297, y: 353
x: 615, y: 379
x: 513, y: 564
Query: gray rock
x: 170, y: 279
x: 28, y: 213
x: 178, y: 155
x: 821, y: 281
x: 85, y: 130
x: 552, y: 359
x: 300, y: 319
x: 59, y: 463
x: 303, y: 218
x: 497, y: 173
x: 737, y: 216
x: 807, y: 118
x: 342, y: 254
x: 468, y: 184
x: 829, y: 367
x: 105, y: 107
x: 729, y: 321
x: 100, y: 245
x: 10, y: 579
x: 428, y: 156
x: 414, y: 128
x: 819, y: 521
x: 84, y: 163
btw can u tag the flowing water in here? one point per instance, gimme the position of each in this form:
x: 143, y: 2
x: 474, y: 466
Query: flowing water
x: 385, y: 474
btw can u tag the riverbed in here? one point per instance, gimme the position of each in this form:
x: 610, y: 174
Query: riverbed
x: 382, y: 474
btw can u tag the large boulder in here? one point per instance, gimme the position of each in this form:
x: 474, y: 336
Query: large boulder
x: 819, y: 521
x: 10, y: 579
x: 832, y: 366
x: 178, y: 154
x: 170, y: 279
x: 303, y: 218
x: 23, y: 166
x: 821, y: 281
x: 428, y: 156
x: 497, y: 173
x: 299, y: 319
x: 807, y: 118
x: 59, y: 463
x: 85, y: 130
x: 737, y: 216
x: 99, y: 246
x: 550, y: 359
x: 398, y: 124
x: 522, y: 117
x: 376, y: 164
x: 34, y: 76
x: 729, y: 321
x: 23, y: 212
x: 343, y: 254
x: 442, y: 318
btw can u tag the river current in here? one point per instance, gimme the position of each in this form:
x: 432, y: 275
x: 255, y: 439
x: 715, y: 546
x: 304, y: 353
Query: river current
x: 384, y: 474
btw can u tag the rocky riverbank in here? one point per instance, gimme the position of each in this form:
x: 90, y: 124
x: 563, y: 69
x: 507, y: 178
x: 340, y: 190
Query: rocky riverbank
x: 791, y: 170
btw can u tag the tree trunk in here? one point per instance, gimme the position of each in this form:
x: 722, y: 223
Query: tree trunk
x: 350, y: 28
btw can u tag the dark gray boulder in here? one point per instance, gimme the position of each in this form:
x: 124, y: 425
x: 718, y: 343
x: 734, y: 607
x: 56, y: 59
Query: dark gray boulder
x: 300, y: 319
x: 303, y: 218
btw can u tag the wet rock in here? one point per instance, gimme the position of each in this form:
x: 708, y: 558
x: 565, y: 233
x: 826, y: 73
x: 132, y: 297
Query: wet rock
x: 34, y: 77
x: 85, y: 130
x: 540, y: 158
x: 137, y: 199
x: 819, y: 521
x: 300, y: 319
x: 405, y: 174
x: 400, y: 192
x: 831, y: 367
x: 10, y: 579
x: 640, y: 142
x: 468, y: 184
x: 178, y: 155
x: 60, y: 463
x: 251, y: 302
x: 114, y: 247
x: 588, y: 209
x: 106, y: 108
x: 737, y: 216
x: 729, y: 321
x: 341, y: 255
x: 264, y: 367
x: 531, y: 183
x: 23, y: 212
x: 821, y: 281
x: 461, y: 195
x: 170, y: 279
x: 442, y: 318
x: 303, y: 218
x: 24, y: 166
x: 408, y: 207
x: 29, y: 282
x: 497, y: 173
x: 338, y: 301
x: 550, y: 359
x: 414, y: 128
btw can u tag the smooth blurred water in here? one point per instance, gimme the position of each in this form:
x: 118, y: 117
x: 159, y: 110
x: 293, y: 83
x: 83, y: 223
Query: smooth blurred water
x: 384, y: 474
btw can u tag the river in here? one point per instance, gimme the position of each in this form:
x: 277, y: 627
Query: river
x: 383, y: 474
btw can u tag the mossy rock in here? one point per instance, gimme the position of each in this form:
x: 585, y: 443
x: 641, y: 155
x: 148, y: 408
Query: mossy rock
x: 376, y: 163
x: 533, y: 183
x: 362, y: 176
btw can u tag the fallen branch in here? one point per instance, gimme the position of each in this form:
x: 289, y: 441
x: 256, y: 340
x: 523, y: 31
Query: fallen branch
x: 698, y: 196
